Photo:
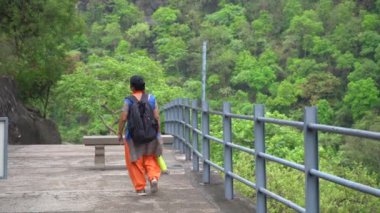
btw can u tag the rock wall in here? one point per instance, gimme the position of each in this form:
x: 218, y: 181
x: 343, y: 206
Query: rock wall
x: 25, y: 126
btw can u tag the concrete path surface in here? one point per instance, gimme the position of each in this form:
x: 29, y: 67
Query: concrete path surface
x: 63, y: 178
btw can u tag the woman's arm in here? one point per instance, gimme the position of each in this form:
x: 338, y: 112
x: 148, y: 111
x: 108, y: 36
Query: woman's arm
x: 122, y: 120
x: 156, y: 114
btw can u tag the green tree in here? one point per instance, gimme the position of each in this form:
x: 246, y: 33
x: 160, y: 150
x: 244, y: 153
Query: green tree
x: 325, y: 112
x: 324, y: 9
x: 138, y: 35
x: 111, y: 35
x: 345, y: 26
x: 324, y: 49
x: 302, y: 67
x: 362, y: 95
x: 103, y: 12
x: 257, y: 74
x: 96, y: 33
x: 263, y: 25
x: 369, y: 41
x: 285, y: 96
x: 88, y: 101
x: 365, y: 68
x: 181, y: 30
x: 122, y: 50
x: 320, y: 86
x: 129, y: 14
x: 262, y: 28
x: 345, y: 61
x: 192, y: 89
x: 222, y: 63
x: 377, y: 54
x: 38, y: 34
x: 291, y: 8
x: 231, y: 16
x: 344, y: 64
x: 361, y: 150
x: 171, y: 50
x: 304, y: 28
x: 343, y: 12
x: 371, y: 22
x: 80, y: 43
x: 106, y: 23
x: 163, y: 18
x: 227, y: 15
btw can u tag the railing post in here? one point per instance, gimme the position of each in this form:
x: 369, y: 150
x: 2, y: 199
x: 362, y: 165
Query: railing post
x: 311, y: 160
x: 194, y: 114
x: 177, y: 124
x: 171, y: 117
x: 205, y: 142
x: 166, y: 117
x: 173, y: 126
x: 187, y: 129
x: 165, y: 111
x: 4, y: 126
x: 261, y: 205
x: 227, y: 137
x: 181, y: 126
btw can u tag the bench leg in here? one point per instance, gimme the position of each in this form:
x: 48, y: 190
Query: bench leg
x: 99, y: 156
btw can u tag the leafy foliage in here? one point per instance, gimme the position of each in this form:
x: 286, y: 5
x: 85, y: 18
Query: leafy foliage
x: 361, y: 96
x: 36, y: 36
x: 94, y: 93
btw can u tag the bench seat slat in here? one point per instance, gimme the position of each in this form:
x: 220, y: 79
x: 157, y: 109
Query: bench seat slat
x: 100, y: 140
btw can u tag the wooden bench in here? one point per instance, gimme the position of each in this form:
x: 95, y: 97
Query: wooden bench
x: 100, y: 141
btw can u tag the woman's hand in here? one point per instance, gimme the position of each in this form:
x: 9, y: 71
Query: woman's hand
x: 120, y: 138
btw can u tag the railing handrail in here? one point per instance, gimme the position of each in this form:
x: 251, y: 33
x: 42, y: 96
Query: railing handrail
x: 298, y: 124
x: 180, y: 123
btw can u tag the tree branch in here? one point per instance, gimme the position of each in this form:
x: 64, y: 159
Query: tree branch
x: 109, y: 110
x: 105, y: 124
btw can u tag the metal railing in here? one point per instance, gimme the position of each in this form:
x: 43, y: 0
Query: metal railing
x: 181, y: 120
x: 4, y: 147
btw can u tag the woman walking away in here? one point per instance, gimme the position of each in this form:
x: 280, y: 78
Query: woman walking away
x: 142, y: 136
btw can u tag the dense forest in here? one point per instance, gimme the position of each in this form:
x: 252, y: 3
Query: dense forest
x: 72, y: 61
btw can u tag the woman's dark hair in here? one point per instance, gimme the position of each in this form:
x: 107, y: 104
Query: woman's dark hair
x: 137, y: 82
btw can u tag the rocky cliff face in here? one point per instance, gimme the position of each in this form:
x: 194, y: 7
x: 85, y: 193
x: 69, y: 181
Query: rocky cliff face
x: 25, y: 126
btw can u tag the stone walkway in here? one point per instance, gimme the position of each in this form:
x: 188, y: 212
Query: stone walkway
x: 62, y: 178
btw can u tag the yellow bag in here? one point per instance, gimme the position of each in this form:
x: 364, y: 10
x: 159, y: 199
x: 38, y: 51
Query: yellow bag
x: 162, y: 164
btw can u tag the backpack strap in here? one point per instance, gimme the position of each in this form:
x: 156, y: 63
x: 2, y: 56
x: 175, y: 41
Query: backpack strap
x: 144, y: 98
x: 147, y: 98
x: 132, y: 98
